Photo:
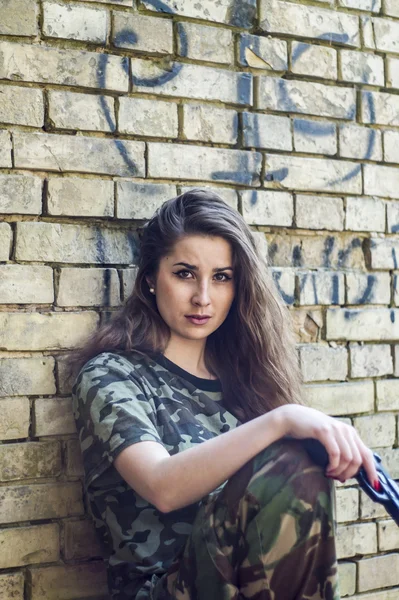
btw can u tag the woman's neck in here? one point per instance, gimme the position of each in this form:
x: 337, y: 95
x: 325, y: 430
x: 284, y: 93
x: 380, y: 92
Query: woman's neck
x: 188, y: 356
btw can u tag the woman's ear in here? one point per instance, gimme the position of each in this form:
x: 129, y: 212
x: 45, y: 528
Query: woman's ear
x: 150, y: 284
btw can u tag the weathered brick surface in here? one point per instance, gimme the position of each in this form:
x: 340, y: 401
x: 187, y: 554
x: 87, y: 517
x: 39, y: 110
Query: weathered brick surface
x: 356, y: 539
x: 221, y: 12
x: 41, y: 64
x: 347, y: 504
x: 29, y: 460
x: 68, y: 110
x: 305, y: 97
x: 263, y: 53
x: 140, y: 200
x: 15, y: 418
x: 20, y: 194
x: 81, y: 541
x: 76, y: 196
x: 366, y: 324
x: 341, y: 398
x: 65, y: 582
x: 362, y: 67
x: 347, y: 578
x: 209, y: 124
x: 135, y: 32
x: 53, y: 416
x: 88, y: 287
x: 192, y: 81
x: 74, y: 462
x: 371, y: 360
x: 21, y: 105
x: 327, y: 175
x: 365, y: 214
x: 368, y: 288
x: 40, y: 501
x: 360, y: 142
x: 84, y: 154
x: 319, y: 212
x: 267, y: 208
x: 378, y: 572
x: 267, y: 131
x: 320, y: 363
x: 21, y: 284
x: 18, y: 17
x: 5, y: 149
x: 200, y: 162
x: 74, y: 22
x: 34, y: 331
x: 12, y: 586
x: 205, y: 43
x: 388, y: 535
x: 377, y: 431
x: 310, y: 136
x: 148, y: 117
x: 317, y: 61
x: 324, y: 287
x: 387, y: 392
x: 308, y: 21
x: 21, y: 376
x: 74, y: 243
x: 29, y: 545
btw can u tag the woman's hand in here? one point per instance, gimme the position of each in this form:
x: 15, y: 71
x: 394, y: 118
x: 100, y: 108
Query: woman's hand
x: 346, y: 451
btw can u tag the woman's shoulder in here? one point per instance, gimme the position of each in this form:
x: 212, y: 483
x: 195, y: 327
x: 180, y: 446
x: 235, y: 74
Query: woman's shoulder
x: 133, y: 365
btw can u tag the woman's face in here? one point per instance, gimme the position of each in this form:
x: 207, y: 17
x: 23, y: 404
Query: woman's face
x: 195, y: 280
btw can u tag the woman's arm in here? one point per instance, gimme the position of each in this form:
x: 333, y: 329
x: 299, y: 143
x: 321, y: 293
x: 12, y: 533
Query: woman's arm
x: 172, y: 482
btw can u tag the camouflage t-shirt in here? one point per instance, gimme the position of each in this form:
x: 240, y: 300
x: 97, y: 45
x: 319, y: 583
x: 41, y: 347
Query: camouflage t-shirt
x: 119, y: 400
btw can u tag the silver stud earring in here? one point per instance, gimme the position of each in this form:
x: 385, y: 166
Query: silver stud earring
x: 152, y: 290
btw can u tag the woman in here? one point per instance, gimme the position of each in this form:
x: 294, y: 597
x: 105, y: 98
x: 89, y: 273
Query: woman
x: 186, y: 407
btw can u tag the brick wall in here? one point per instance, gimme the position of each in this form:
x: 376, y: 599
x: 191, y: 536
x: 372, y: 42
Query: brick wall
x: 290, y: 109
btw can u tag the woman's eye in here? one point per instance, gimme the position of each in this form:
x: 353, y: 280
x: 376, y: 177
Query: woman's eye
x: 183, y: 274
x: 223, y: 277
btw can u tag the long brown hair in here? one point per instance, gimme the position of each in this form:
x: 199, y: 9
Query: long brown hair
x: 253, y: 351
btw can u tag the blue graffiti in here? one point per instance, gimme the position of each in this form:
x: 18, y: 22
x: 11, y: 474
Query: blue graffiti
x: 368, y: 293
x: 288, y: 298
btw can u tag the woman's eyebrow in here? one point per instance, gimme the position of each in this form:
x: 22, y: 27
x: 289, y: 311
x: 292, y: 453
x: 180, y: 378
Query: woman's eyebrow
x: 194, y: 268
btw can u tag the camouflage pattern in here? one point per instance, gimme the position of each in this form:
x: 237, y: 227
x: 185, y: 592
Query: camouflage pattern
x: 119, y: 400
x: 268, y: 535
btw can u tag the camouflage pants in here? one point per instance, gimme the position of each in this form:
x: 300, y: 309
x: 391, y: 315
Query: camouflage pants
x: 268, y: 535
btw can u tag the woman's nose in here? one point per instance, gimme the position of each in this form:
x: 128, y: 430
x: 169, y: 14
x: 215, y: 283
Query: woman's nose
x: 201, y: 296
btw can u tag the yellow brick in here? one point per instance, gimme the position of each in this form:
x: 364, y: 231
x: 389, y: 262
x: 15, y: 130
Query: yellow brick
x: 356, y: 539
x: 54, y: 416
x: 40, y: 501
x: 28, y: 545
x: 347, y: 504
x: 65, y: 378
x: 14, y: 422
x: 347, y: 578
x: 29, y: 460
x: 67, y: 583
x: 23, y: 376
x: 81, y: 541
x: 378, y: 572
x: 12, y: 586
x: 34, y: 331
x: 74, y: 459
x: 370, y: 509
x: 388, y: 536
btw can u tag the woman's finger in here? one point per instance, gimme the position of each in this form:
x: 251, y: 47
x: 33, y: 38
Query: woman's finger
x: 346, y: 455
x: 356, y: 461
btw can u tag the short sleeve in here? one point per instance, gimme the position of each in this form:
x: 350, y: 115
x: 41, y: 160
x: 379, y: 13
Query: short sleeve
x: 112, y: 411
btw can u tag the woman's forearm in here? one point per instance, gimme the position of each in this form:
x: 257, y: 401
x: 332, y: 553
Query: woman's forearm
x: 188, y: 476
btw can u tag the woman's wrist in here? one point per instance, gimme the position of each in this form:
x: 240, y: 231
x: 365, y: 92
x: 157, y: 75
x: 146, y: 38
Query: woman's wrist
x: 276, y: 421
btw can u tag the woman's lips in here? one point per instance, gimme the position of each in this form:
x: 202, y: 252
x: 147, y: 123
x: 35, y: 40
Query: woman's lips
x: 198, y: 320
